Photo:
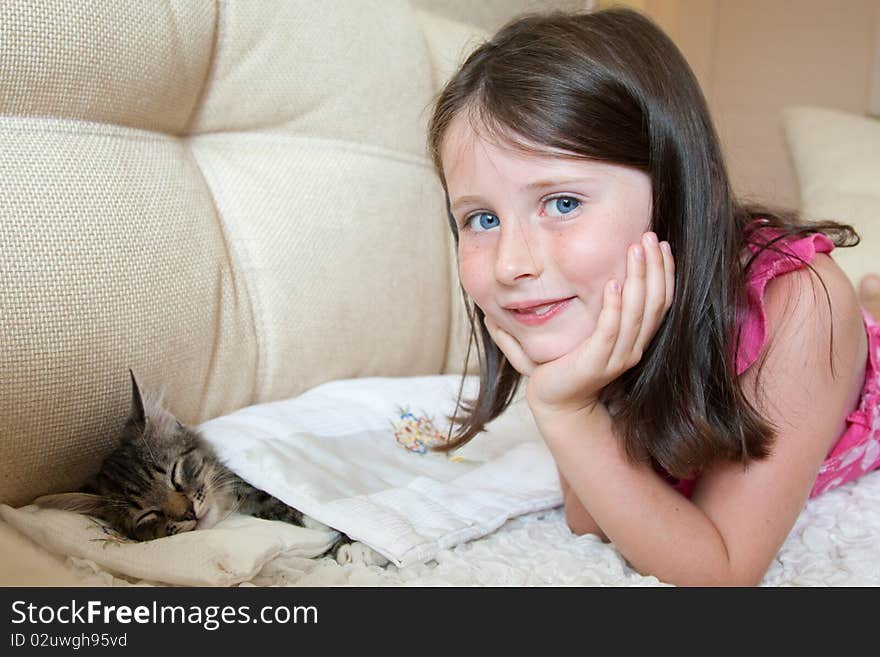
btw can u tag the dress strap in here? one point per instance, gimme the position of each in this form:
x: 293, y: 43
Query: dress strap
x: 776, y: 258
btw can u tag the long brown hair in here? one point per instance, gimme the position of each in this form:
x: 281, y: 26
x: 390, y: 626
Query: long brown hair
x: 611, y: 86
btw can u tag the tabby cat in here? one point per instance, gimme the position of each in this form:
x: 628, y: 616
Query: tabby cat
x: 163, y: 478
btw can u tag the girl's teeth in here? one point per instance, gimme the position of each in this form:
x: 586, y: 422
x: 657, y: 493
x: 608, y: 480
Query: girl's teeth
x: 543, y: 310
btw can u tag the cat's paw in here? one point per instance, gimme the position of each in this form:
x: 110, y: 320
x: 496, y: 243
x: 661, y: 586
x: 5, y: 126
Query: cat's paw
x: 173, y: 528
x: 358, y: 553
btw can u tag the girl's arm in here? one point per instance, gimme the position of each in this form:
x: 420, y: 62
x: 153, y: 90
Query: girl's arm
x: 738, y: 517
x: 577, y: 517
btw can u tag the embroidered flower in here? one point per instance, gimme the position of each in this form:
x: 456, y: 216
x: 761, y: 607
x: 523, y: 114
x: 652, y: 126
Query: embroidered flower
x: 417, y: 434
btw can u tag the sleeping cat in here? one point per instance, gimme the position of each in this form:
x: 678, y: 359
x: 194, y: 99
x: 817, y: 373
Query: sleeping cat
x: 163, y: 478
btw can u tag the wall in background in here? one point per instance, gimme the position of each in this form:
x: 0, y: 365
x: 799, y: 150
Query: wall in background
x: 489, y: 15
x: 755, y: 57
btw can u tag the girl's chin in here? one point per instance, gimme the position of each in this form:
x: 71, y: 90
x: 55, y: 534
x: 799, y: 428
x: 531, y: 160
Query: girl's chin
x: 545, y: 357
x: 543, y: 351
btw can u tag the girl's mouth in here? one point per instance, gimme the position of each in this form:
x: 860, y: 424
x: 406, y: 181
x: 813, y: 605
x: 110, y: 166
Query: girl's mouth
x: 535, y: 314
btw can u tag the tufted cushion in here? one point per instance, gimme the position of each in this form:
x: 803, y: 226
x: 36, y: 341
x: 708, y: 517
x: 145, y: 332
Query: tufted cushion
x: 233, y: 199
x: 836, y: 158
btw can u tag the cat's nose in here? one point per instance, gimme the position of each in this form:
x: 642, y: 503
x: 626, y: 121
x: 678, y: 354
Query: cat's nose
x: 180, y: 507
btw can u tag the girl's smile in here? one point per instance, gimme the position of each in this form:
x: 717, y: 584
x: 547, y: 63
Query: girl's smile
x: 535, y: 313
x: 540, y: 234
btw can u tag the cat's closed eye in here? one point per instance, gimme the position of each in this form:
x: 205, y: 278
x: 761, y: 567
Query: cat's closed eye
x: 176, y: 476
x: 152, y: 514
x: 148, y: 525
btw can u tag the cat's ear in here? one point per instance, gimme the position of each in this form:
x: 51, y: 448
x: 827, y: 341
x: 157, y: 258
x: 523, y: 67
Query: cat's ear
x: 87, y: 503
x: 136, y: 415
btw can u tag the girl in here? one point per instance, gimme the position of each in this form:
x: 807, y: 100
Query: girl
x: 698, y: 368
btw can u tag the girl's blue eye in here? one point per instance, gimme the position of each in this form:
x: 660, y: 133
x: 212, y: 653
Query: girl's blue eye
x: 483, y: 221
x: 561, y: 206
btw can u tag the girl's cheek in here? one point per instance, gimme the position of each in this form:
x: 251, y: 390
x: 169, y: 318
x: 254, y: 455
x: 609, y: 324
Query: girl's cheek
x: 590, y: 259
x: 582, y: 263
x: 474, y: 271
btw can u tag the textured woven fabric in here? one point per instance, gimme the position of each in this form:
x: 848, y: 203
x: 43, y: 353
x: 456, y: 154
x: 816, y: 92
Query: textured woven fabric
x: 139, y: 64
x: 232, y: 199
x: 346, y: 280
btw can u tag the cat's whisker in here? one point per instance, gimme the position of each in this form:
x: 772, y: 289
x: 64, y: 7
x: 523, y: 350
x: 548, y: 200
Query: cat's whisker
x: 146, y: 443
x: 223, y: 481
x: 232, y: 509
x: 114, y: 503
x: 225, y: 473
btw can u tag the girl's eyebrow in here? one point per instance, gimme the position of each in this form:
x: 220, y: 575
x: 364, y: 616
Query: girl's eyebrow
x: 556, y: 182
x: 535, y: 185
x: 465, y: 200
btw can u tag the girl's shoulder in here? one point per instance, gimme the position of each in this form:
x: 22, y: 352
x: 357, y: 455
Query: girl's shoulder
x: 814, y: 281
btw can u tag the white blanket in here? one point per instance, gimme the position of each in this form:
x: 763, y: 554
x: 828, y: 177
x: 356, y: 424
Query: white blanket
x: 332, y: 453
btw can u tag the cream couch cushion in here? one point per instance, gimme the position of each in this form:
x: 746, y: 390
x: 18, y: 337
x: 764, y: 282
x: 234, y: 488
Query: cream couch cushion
x: 232, y: 199
x: 836, y: 158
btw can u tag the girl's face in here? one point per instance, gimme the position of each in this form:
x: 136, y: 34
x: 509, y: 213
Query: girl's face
x: 540, y: 235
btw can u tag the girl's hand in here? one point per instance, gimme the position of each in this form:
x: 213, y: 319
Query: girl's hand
x: 628, y: 320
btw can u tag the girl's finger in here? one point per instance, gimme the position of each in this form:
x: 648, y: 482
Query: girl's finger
x: 594, y: 352
x: 632, y: 309
x: 669, y: 270
x: 510, y: 347
x: 655, y: 291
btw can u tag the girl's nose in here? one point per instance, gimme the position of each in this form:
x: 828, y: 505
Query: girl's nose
x: 517, y: 256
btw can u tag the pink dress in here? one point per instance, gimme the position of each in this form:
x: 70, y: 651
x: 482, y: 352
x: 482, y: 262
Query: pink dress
x: 857, y: 451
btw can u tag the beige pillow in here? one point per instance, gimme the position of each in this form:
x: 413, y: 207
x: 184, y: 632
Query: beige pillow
x: 836, y: 156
